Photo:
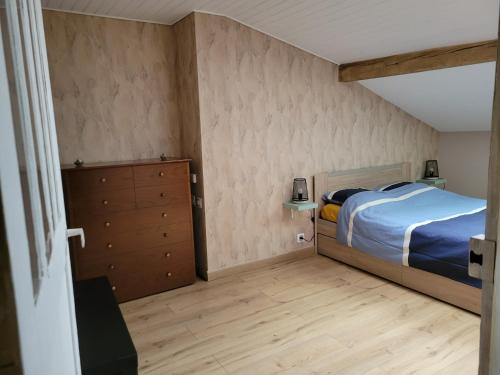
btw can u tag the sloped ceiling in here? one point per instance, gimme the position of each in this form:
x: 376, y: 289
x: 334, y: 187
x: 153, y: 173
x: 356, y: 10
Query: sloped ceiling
x: 350, y: 30
x: 455, y: 99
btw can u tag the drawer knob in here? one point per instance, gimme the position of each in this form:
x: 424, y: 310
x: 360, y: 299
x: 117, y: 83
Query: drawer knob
x: 105, y: 202
x: 113, y: 288
x: 165, y: 234
x: 163, y: 214
x: 169, y: 274
x: 167, y: 255
x: 161, y: 174
x: 107, y: 224
x: 163, y: 195
x: 111, y: 266
x: 103, y: 179
x: 109, y: 245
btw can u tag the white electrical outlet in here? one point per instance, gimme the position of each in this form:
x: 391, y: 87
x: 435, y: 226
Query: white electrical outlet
x: 300, y: 238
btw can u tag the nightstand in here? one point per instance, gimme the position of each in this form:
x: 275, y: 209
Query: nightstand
x: 299, y: 207
x: 437, y: 182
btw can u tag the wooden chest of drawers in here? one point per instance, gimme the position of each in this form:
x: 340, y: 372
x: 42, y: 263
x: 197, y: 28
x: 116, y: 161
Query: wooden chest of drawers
x: 138, y: 225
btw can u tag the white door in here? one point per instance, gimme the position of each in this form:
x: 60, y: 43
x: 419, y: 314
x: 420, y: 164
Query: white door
x: 32, y: 200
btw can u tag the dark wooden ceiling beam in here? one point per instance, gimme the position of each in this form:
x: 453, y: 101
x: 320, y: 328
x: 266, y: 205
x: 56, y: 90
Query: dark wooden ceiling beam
x: 421, y: 61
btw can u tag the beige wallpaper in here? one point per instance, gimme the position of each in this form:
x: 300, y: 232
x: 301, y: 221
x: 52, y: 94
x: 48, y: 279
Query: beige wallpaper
x: 251, y: 111
x: 189, y: 117
x: 114, y: 87
x: 270, y: 112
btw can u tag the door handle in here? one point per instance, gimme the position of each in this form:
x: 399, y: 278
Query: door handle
x: 72, y: 232
x: 475, y: 258
x: 482, y: 258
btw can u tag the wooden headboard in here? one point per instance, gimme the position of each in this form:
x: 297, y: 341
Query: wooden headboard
x: 365, y: 177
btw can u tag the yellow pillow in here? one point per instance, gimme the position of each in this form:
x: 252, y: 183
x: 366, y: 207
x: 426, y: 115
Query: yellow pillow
x: 330, y: 212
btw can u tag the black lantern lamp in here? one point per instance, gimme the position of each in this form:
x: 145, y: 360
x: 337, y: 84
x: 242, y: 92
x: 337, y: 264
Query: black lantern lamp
x: 431, y: 169
x: 300, y: 190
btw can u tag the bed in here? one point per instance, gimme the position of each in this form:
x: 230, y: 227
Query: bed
x: 415, y: 235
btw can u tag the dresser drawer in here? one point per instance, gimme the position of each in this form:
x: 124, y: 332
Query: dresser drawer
x: 132, y: 220
x: 137, y: 219
x: 139, y: 273
x: 114, y: 244
x: 164, y: 195
x: 160, y: 174
x: 180, y: 266
x: 104, y: 202
x: 81, y: 182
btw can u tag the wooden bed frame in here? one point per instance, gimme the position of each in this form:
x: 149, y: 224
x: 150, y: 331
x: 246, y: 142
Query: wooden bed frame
x: 442, y: 288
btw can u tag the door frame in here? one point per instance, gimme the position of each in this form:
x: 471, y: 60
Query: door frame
x: 9, y: 343
x: 12, y: 204
x: 489, y: 361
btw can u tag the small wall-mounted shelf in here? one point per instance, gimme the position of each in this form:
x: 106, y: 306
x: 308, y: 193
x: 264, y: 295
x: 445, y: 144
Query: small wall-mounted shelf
x: 438, y: 182
x: 299, y: 207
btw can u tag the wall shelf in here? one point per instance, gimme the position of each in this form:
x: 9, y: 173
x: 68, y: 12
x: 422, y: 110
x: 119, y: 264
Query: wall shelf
x: 299, y: 207
x: 438, y: 182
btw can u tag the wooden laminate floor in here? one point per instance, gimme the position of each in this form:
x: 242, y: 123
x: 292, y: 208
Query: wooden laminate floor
x: 312, y: 316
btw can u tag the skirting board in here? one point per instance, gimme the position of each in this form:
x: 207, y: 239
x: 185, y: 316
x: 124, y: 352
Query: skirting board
x: 294, y: 255
x: 442, y: 288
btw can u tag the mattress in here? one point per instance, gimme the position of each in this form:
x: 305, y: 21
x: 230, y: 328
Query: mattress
x: 415, y: 225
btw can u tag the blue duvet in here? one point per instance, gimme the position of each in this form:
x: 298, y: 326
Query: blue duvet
x: 415, y: 225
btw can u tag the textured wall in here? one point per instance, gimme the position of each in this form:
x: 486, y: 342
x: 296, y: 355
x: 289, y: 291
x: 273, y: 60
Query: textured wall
x: 189, y: 118
x: 114, y: 87
x: 270, y: 112
x: 254, y: 112
x: 463, y: 161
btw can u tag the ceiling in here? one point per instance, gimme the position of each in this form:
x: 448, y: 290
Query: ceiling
x: 350, y: 30
x: 455, y: 99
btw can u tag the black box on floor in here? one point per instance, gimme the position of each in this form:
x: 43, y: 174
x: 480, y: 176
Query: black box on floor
x: 106, y: 347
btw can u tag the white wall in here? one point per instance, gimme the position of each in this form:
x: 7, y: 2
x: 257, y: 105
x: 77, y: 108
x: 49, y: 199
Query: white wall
x: 463, y: 161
